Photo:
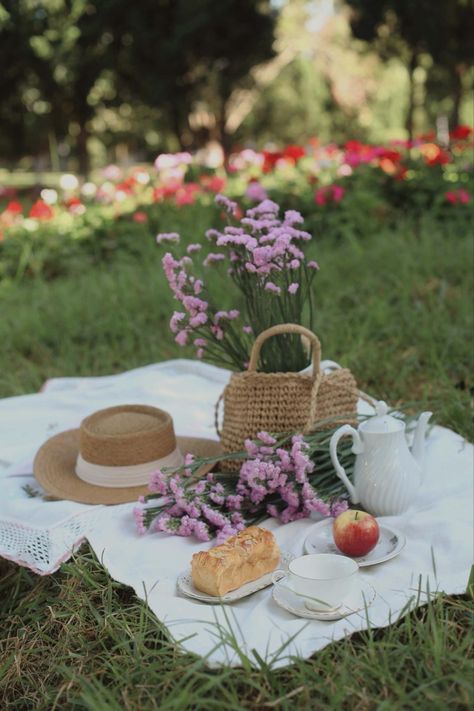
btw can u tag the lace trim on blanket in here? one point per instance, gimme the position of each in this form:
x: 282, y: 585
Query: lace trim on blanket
x: 44, y: 549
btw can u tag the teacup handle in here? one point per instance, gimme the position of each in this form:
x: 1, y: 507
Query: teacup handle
x: 357, y: 448
x: 281, y: 574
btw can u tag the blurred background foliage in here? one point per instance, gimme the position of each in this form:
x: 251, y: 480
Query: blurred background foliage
x: 88, y: 82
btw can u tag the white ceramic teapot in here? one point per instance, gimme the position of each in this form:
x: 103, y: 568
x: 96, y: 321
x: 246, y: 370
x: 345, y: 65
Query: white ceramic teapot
x: 387, y: 474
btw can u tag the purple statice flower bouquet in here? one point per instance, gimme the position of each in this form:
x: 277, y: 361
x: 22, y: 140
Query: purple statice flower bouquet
x: 285, y: 477
x: 272, y: 278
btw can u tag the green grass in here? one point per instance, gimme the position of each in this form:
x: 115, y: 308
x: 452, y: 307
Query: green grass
x: 78, y: 640
x: 397, y: 309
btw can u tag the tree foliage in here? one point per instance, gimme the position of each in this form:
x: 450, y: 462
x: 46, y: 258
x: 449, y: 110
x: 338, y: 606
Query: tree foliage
x: 175, y: 55
x: 443, y: 30
x: 191, y: 55
x: 163, y: 74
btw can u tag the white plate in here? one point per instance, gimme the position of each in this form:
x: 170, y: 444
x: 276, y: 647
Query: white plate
x: 186, y: 587
x: 291, y: 602
x: 390, y: 543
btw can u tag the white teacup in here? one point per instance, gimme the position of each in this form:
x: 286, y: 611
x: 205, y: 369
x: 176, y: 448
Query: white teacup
x: 324, y: 580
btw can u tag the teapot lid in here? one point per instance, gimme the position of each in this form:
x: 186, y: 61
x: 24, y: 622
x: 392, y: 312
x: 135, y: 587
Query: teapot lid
x: 382, y: 422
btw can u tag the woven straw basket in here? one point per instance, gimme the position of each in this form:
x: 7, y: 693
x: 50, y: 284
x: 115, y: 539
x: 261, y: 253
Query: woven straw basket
x: 283, y: 402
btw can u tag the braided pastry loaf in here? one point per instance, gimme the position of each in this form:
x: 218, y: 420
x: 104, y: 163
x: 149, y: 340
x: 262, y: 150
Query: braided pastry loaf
x: 241, y: 559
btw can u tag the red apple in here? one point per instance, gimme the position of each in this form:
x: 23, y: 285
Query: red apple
x: 355, y: 532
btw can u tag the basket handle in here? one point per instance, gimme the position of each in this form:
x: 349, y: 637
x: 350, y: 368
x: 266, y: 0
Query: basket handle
x: 286, y: 328
x: 216, y: 413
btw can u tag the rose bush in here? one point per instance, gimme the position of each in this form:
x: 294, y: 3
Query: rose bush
x: 350, y: 189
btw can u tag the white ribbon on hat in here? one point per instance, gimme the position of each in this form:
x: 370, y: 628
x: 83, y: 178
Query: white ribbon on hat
x: 123, y: 477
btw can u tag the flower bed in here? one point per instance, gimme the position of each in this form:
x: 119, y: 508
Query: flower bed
x: 338, y: 189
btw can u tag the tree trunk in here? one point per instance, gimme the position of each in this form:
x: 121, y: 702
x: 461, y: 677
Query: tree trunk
x: 224, y: 137
x: 456, y: 94
x: 82, y: 152
x: 176, y: 124
x: 411, y: 94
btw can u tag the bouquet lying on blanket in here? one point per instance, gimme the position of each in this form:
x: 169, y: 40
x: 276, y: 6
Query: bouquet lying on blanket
x: 286, y: 477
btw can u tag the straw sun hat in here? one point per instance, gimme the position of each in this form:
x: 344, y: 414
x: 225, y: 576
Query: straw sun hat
x: 109, y: 459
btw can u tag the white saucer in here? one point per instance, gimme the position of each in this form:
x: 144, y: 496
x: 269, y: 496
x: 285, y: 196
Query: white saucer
x: 186, y: 587
x: 290, y: 601
x: 390, y: 543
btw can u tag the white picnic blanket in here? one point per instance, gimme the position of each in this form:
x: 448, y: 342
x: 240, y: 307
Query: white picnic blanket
x: 41, y: 534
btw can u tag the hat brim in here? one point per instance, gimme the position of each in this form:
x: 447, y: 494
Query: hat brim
x: 54, y: 468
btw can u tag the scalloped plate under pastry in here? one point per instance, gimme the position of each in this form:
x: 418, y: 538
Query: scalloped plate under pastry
x: 186, y: 587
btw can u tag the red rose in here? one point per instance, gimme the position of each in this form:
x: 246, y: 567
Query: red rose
x: 294, y: 153
x: 14, y: 208
x: 393, y: 156
x: 460, y: 133
x: 212, y: 183
x: 41, y: 211
x: 270, y: 160
x: 354, y: 146
x: 441, y: 158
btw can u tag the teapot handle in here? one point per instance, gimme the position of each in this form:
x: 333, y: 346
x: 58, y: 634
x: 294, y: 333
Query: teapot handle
x: 357, y: 448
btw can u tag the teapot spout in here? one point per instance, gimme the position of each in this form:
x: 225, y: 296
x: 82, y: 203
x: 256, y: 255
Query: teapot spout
x: 418, y: 447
